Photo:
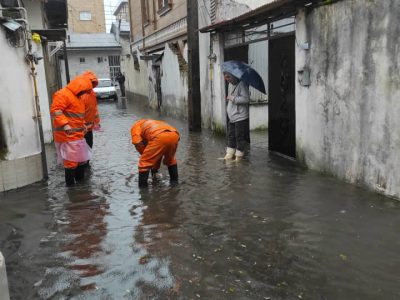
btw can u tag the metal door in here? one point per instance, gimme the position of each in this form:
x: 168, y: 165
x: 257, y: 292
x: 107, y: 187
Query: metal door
x: 157, y: 86
x: 281, y: 90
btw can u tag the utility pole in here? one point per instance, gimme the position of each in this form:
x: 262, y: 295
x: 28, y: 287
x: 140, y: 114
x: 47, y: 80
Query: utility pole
x: 66, y: 63
x: 194, y: 96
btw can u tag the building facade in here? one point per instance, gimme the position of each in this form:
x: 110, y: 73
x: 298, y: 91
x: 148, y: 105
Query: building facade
x: 86, y: 16
x: 332, y: 86
x: 23, y: 130
x: 121, y: 30
x: 158, y: 47
x: 98, y: 52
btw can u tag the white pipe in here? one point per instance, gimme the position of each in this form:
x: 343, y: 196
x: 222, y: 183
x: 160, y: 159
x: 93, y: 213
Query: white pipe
x: 4, y: 294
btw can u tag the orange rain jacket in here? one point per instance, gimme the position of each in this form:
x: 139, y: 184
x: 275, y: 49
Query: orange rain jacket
x: 67, y: 108
x: 154, y: 140
x: 92, y: 117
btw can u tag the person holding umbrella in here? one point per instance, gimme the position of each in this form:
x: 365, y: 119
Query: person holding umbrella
x: 237, y: 110
x: 239, y: 76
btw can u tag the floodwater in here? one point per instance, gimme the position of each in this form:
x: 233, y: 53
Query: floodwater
x: 261, y: 229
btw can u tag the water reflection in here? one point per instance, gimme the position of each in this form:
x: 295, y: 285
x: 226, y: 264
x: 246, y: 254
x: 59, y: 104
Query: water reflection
x: 263, y: 228
x: 87, y: 229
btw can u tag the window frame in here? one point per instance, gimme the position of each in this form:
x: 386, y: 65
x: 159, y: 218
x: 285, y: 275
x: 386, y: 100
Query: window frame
x: 145, y: 12
x: 164, y: 6
x: 89, y: 13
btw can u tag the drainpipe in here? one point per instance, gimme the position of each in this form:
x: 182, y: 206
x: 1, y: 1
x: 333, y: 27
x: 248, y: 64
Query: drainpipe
x: 66, y: 64
x: 38, y: 117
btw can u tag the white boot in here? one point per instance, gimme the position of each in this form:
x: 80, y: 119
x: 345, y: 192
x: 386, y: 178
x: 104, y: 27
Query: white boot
x: 230, y: 153
x: 239, y: 155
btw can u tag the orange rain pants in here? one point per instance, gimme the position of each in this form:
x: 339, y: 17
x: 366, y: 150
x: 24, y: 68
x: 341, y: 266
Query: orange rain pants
x: 154, y: 140
x: 163, y: 145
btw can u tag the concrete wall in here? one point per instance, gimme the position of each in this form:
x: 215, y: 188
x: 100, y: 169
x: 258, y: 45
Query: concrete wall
x: 20, y: 162
x: 137, y: 81
x: 97, y: 22
x: 4, y: 294
x: 174, y: 85
x: 101, y: 69
x: 348, y: 119
x: 211, y: 77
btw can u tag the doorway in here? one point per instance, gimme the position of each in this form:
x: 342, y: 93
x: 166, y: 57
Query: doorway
x: 157, y: 85
x: 240, y: 53
x: 281, y: 91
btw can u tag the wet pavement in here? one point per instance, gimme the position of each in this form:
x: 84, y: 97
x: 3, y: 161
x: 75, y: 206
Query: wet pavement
x: 262, y: 229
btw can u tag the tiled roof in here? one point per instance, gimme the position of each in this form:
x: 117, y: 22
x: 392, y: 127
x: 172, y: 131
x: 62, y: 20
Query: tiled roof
x: 91, y: 40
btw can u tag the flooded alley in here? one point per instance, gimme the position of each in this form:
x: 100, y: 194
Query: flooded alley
x: 264, y: 228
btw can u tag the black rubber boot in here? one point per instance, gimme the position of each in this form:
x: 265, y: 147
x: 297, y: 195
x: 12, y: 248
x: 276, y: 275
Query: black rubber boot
x: 173, y: 173
x: 143, y: 178
x: 80, y: 173
x: 69, y: 177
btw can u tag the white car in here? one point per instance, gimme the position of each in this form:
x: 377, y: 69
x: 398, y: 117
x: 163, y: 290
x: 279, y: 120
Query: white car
x: 105, y: 89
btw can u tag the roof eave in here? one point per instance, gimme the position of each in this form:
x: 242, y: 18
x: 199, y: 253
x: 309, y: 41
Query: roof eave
x: 271, y: 12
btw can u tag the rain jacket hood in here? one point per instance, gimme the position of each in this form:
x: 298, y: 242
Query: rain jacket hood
x: 79, y: 84
x: 92, y: 77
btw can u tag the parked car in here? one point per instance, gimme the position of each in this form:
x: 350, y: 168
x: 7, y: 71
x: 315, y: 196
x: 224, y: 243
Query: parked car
x: 106, y: 89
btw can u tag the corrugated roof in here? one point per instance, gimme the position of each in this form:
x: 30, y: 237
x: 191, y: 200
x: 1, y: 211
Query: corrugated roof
x: 272, y: 11
x: 92, y: 40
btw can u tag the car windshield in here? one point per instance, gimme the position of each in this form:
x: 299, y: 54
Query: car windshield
x: 104, y: 83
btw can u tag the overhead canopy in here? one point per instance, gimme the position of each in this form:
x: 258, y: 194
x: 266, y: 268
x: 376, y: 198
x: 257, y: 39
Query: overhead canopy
x: 277, y: 10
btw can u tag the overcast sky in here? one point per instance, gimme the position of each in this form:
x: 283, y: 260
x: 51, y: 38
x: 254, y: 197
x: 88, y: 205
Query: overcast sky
x: 109, y: 8
x: 111, y: 5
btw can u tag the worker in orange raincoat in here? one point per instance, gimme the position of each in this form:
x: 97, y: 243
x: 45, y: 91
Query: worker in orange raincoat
x: 92, y: 118
x: 68, y: 112
x: 155, y: 140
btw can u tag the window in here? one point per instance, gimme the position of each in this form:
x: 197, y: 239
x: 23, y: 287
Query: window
x: 145, y: 12
x: 99, y: 59
x: 85, y: 16
x: 82, y: 60
x: 164, y: 6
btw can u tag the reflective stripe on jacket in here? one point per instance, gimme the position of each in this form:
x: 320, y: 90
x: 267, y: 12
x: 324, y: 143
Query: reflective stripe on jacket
x: 67, y: 108
x: 145, y: 130
x: 92, y: 117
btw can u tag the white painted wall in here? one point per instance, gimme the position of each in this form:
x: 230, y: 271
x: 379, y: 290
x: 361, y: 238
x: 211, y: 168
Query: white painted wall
x: 17, y: 106
x: 174, y: 85
x: 138, y: 79
x: 101, y: 69
x: 348, y: 119
x: 4, y: 293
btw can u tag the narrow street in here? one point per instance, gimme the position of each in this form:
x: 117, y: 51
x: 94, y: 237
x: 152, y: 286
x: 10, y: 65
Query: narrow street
x: 262, y: 229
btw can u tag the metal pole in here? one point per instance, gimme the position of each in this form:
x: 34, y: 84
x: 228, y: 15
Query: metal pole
x: 66, y: 62
x: 194, y: 98
x: 38, y: 117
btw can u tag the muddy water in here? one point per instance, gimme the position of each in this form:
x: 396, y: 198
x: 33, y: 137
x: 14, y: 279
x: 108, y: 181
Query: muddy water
x: 261, y: 229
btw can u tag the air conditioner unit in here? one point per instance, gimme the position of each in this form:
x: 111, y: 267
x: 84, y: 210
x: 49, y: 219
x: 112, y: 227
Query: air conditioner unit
x: 9, y: 3
x: 10, y: 9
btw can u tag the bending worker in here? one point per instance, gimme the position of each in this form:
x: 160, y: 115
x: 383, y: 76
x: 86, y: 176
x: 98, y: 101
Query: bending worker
x: 92, y: 118
x: 68, y: 112
x: 155, y: 140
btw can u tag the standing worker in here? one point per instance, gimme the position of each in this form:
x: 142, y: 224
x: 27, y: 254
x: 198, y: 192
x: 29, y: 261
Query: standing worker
x: 68, y: 112
x: 92, y: 118
x: 155, y: 140
x: 237, y: 110
x: 121, y: 80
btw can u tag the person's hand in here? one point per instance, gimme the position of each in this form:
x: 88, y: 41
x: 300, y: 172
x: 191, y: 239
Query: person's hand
x: 230, y: 98
x: 67, y: 129
x: 97, y: 127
